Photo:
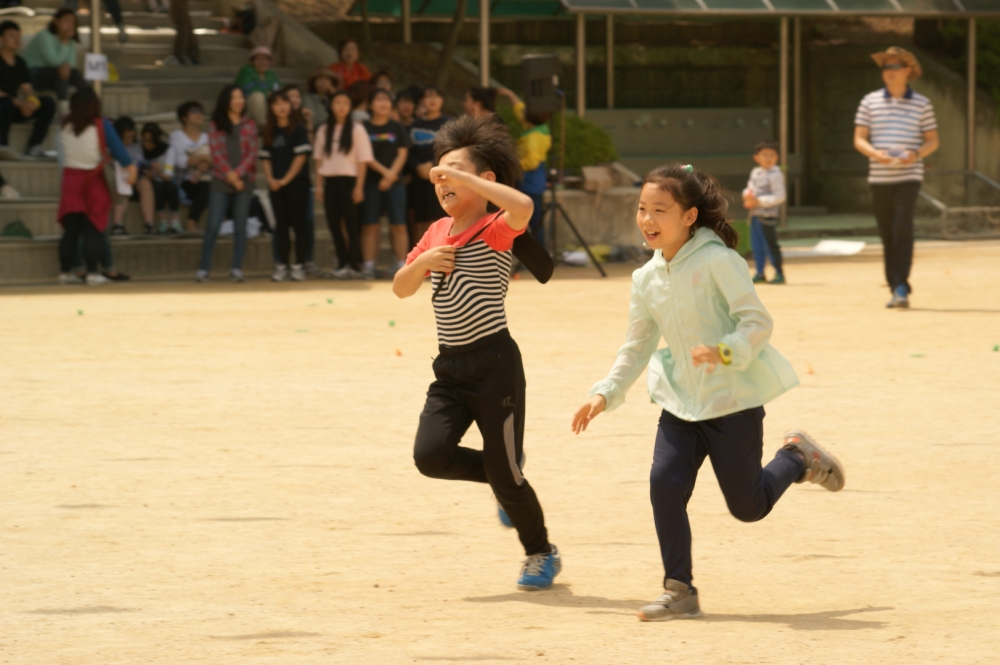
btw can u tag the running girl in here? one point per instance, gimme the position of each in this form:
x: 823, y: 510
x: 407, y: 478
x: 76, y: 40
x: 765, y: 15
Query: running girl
x: 712, y: 380
x: 478, y: 374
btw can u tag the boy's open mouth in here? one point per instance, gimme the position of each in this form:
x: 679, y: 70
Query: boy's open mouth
x: 448, y: 196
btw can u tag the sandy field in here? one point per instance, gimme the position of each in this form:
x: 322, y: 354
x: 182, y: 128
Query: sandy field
x: 221, y: 474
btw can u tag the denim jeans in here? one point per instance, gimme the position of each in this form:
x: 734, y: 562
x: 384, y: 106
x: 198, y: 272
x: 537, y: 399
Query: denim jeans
x: 764, y: 242
x: 218, y: 205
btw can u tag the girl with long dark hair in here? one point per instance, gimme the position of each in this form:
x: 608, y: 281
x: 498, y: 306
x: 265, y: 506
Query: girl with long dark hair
x: 342, y: 152
x: 284, y: 156
x: 712, y: 380
x: 232, y: 141
x: 85, y: 201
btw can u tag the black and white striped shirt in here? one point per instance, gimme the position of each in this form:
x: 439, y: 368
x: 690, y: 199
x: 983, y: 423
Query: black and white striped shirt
x: 895, y: 125
x: 469, y: 302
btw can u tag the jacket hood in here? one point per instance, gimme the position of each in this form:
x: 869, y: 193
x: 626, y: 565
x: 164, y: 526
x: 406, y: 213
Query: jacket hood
x: 703, y: 236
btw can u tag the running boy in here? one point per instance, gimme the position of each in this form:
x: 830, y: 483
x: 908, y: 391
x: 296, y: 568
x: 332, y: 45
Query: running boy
x: 712, y: 380
x: 763, y: 196
x: 478, y: 374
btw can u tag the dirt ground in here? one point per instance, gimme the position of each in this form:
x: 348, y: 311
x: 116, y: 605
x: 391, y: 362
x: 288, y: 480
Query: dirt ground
x: 222, y: 474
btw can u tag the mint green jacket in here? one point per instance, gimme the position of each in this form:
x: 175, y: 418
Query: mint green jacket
x: 45, y: 50
x: 703, y: 296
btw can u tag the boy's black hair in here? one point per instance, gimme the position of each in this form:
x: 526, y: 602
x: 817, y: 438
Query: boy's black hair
x: 413, y: 93
x: 8, y: 25
x: 489, y: 145
x: 430, y: 88
x: 184, y: 110
x: 765, y: 145
x: 537, y: 119
x: 487, y: 97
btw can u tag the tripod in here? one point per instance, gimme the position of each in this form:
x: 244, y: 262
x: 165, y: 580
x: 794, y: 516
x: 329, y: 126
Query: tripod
x: 553, y: 206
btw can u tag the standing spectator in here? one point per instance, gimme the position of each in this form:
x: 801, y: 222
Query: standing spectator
x: 189, y: 160
x: 186, y: 51
x: 406, y: 106
x: 232, y: 139
x: 422, y: 197
x: 113, y: 7
x: 316, y: 103
x: 895, y: 128
x: 284, y: 157
x: 349, y: 70
x: 51, y: 58
x: 342, y: 151
x: 307, y: 116
x: 763, y: 196
x: 480, y: 101
x: 84, y: 201
x: 384, y: 189
x: 18, y: 101
x: 359, y: 91
x: 533, y: 148
x: 257, y: 80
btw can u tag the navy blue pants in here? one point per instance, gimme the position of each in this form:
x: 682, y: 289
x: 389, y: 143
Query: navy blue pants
x: 734, y: 443
x: 895, y: 206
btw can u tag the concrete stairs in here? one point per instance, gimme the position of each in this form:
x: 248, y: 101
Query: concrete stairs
x: 147, y: 89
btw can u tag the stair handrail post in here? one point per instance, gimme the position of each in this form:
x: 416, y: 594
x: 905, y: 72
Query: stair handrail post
x: 95, y: 36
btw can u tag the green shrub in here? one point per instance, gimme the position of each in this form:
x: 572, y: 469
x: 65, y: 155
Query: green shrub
x: 587, y: 144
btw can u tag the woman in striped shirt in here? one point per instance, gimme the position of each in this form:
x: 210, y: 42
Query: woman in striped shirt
x: 895, y: 128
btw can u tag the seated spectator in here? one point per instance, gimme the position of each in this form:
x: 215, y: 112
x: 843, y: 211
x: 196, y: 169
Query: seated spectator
x: 125, y: 126
x: 315, y: 104
x: 84, y: 201
x: 480, y: 101
x: 382, y: 80
x: 154, y: 160
x: 257, y: 80
x: 18, y: 101
x: 232, y: 139
x: 189, y: 160
x: 358, y: 93
x: 385, y: 192
x: 349, y: 70
x: 51, y: 58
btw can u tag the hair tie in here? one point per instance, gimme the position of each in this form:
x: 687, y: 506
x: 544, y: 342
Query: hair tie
x: 687, y: 168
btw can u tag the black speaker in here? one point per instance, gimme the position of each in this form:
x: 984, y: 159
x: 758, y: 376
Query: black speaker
x: 541, y: 79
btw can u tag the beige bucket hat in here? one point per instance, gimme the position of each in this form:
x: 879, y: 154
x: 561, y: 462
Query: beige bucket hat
x: 901, y: 54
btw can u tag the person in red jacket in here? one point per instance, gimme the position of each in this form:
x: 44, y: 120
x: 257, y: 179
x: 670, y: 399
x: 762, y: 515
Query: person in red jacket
x: 349, y: 69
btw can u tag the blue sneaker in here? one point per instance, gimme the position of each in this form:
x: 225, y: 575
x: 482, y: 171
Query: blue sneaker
x: 902, y: 296
x: 539, y: 571
x: 501, y: 513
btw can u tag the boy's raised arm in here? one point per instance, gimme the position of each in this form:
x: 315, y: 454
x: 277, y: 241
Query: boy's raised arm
x: 517, y: 206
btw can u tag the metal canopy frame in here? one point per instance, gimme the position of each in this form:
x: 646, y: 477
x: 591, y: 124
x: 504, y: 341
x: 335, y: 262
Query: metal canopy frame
x: 783, y: 11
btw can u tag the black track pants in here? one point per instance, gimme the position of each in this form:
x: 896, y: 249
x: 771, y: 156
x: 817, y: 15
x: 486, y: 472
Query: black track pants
x: 482, y: 382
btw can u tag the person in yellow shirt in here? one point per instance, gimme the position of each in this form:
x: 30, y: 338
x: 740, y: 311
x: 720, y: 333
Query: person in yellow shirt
x: 533, y: 148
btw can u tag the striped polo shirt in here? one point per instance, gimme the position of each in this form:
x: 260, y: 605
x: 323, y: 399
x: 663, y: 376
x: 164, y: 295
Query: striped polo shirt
x: 469, y: 302
x: 895, y: 125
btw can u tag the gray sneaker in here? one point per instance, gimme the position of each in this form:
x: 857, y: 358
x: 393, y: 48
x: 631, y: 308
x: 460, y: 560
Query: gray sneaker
x: 677, y: 602
x: 298, y: 274
x: 822, y: 468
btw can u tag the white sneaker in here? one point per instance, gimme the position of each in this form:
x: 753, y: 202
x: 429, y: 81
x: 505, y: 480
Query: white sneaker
x: 8, y: 154
x: 312, y: 269
x: 66, y: 278
x: 201, y: 276
x: 280, y: 273
x: 37, y: 152
x: 96, y: 279
x: 8, y: 192
x: 344, y: 273
x: 235, y: 275
x: 369, y: 274
x: 298, y: 273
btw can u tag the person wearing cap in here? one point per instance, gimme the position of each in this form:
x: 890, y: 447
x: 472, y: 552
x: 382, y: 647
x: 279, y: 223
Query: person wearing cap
x: 258, y: 80
x: 895, y: 129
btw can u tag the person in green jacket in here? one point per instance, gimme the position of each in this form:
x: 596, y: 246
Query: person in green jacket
x: 712, y: 380
x: 257, y: 80
x: 51, y: 58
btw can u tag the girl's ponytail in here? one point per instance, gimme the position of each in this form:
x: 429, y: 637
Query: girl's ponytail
x: 695, y: 189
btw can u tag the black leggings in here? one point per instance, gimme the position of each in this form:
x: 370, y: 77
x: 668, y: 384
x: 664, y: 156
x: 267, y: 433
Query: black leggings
x: 75, y: 225
x: 290, y: 204
x: 198, y: 193
x: 482, y: 383
x: 339, y: 205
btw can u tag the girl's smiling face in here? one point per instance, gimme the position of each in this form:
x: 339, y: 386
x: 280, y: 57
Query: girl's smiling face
x: 664, y: 224
x: 340, y: 107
